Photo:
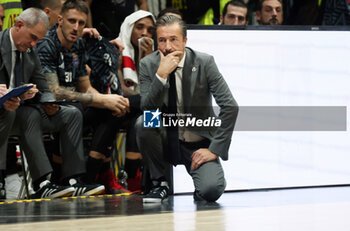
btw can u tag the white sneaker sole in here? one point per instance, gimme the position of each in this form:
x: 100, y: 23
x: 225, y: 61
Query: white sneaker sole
x: 96, y: 191
x: 64, y: 193
x: 153, y: 200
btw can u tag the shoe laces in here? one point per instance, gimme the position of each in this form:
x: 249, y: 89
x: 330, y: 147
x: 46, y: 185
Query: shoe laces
x: 44, y: 183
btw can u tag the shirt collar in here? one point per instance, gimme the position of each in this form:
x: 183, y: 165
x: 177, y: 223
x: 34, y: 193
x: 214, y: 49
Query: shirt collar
x: 13, y: 46
x: 182, y: 62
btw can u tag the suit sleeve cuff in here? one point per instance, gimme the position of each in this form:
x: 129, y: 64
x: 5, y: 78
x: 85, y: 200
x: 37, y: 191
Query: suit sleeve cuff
x: 163, y: 81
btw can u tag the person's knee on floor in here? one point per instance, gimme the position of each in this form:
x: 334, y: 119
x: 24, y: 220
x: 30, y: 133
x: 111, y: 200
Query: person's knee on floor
x: 210, y: 192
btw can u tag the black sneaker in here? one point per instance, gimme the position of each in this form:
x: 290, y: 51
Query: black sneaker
x: 157, y: 194
x: 82, y: 189
x: 49, y: 190
x: 2, y: 191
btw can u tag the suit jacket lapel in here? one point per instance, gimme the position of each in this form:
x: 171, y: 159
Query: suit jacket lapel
x: 26, y: 61
x: 6, y: 53
x: 189, y: 78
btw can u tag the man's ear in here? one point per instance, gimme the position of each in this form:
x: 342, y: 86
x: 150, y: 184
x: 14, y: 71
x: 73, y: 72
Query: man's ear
x: 60, y: 19
x: 258, y: 15
x: 19, y: 24
x: 47, y: 11
x: 221, y: 19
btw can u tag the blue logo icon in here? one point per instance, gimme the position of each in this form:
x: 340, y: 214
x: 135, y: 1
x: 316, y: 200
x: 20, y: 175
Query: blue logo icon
x: 151, y: 118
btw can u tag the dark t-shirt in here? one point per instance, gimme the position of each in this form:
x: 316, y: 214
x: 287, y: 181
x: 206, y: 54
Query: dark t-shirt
x: 108, y: 15
x: 69, y: 65
x: 193, y: 10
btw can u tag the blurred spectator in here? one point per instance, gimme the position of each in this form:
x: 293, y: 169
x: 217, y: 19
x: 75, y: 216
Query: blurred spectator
x: 194, y: 10
x: 156, y: 6
x: 52, y: 8
x: 207, y: 19
x: 2, y: 16
x: 336, y: 12
x: 234, y: 13
x: 270, y: 12
x: 303, y: 12
x: 108, y: 15
x: 170, y: 11
x: 12, y: 9
x: 30, y: 3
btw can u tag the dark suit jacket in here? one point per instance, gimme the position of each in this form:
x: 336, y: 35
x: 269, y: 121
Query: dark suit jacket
x: 200, y: 81
x: 31, y: 65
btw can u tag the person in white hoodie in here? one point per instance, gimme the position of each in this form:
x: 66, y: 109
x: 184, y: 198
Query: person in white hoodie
x: 136, y: 34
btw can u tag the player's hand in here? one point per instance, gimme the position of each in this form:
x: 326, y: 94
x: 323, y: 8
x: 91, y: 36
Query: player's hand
x: 201, y: 156
x: 118, y: 43
x: 117, y: 104
x: 146, y: 46
x: 91, y: 32
x: 168, y: 63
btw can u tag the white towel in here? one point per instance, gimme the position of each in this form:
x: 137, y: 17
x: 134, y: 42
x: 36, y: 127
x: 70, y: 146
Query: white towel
x: 126, y: 28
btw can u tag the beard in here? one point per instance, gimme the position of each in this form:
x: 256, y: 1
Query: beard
x: 66, y: 35
x: 272, y: 21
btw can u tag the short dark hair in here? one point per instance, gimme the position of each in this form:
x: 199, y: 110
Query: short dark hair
x: 167, y: 20
x: 238, y: 3
x: 170, y: 10
x: 260, y: 2
x: 78, y: 5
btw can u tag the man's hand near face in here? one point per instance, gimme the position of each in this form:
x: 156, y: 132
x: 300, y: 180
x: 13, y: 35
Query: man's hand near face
x: 168, y: 63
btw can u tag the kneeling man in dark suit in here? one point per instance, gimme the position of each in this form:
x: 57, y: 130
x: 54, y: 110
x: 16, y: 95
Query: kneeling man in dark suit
x: 181, y: 82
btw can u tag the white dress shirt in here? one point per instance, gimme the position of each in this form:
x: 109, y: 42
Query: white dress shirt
x: 184, y: 134
x: 13, y: 62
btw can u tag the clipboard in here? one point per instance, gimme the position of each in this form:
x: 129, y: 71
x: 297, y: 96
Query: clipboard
x: 15, y: 92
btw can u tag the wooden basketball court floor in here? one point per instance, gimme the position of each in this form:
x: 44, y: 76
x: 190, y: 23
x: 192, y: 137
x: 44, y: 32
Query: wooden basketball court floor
x: 323, y: 208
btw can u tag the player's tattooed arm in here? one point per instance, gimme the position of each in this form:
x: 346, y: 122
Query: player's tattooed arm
x: 62, y: 92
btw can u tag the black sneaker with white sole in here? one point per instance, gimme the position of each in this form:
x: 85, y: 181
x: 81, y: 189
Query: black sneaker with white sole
x: 2, y: 191
x: 49, y: 190
x: 82, y: 189
x: 157, y: 194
